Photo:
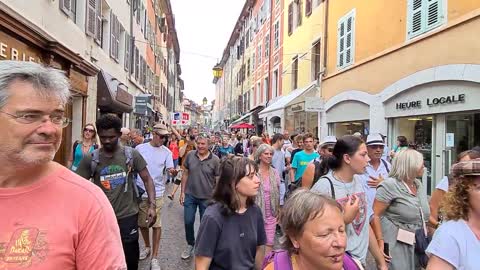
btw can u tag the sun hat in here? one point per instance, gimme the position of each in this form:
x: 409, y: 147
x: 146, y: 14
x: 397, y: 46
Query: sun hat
x: 375, y: 139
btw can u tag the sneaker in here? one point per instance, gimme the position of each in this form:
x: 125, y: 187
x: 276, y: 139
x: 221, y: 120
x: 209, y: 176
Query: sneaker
x: 144, y: 253
x: 155, y: 265
x: 187, y: 253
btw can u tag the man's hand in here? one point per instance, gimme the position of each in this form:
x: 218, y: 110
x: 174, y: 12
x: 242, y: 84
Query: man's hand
x: 173, y: 172
x: 373, y: 182
x: 182, y: 198
x: 151, y: 215
x: 351, y: 208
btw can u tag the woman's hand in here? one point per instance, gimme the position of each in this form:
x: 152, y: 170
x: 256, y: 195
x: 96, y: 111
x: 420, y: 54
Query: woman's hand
x: 351, y: 209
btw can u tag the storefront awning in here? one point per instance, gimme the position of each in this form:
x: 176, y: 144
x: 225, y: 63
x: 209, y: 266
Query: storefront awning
x: 112, y: 94
x: 239, y: 120
x: 281, y: 103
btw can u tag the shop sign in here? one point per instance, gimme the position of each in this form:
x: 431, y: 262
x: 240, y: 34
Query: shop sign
x: 12, y: 49
x: 298, y: 107
x: 314, y: 104
x: 431, y: 102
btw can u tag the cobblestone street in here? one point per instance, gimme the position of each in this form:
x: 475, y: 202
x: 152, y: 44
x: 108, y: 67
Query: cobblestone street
x: 173, y: 237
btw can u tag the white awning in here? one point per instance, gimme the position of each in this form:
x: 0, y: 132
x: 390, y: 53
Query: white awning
x: 281, y: 103
x: 242, y: 118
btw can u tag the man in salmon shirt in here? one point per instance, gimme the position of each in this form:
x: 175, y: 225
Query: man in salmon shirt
x: 51, y: 218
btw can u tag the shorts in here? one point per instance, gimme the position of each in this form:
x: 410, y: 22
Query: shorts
x: 142, y: 213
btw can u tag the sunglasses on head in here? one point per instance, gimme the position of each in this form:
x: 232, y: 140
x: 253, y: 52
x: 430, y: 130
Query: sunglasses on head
x: 89, y: 130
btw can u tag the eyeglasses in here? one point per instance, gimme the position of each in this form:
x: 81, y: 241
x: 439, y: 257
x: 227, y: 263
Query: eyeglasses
x: 330, y: 150
x: 29, y: 118
x: 376, y: 146
x: 89, y: 130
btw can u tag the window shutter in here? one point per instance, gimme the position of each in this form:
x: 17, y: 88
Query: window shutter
x: 299, y: 13
x: 127, y: 52
x: 91, y: 18
x: 66, y: 6
x: 290, y: 18
x: 341, y: 44
x: 350, y: 42
x: 98, y: 23
x: 434, y: 13
x: 308, y: 7
x: 112, y: 35
x: 415, y: 18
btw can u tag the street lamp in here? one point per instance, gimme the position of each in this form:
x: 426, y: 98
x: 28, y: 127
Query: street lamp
x: 217, y: 71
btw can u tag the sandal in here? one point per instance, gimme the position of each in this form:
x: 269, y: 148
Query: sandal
x: 170, y: 197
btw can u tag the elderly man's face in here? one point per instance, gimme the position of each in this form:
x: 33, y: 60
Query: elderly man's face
x: 34, y: 143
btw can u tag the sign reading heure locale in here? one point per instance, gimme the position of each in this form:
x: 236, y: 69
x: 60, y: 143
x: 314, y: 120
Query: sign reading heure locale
x: 447, y: 100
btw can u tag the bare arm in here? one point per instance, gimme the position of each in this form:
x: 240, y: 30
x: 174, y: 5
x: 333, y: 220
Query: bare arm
x: 148, y: 182
x: 260, y: 254
x: 378, y: 210
x: 183, y: 185
x: 307, y: 177
x: 375, y: 250
x: 436, y: 263
x: 292, y: 174
x: 70, y: 158
x: 202, y: 263
x: 176, y: 133
x: 437, y: 197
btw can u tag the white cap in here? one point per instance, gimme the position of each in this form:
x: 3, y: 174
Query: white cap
x: 328, y: 140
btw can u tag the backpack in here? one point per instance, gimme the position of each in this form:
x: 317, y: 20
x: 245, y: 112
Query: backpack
x: 128, y: 152
x: 385, y: 164
x: 282, y: 261
x: 238, y: 148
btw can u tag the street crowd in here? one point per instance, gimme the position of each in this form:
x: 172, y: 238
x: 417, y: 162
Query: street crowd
x: 277, y: 203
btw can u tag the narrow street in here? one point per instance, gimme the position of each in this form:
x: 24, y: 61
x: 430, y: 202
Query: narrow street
x: 173, y: 237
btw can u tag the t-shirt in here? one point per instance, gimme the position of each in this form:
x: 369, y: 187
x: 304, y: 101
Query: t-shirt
x: 300, y: 162
x: 382, y: 170
x: 443, y: 185
x: 158, y: 159
x: 357, y: 231
x: 111, y: 176
x: 59, y: 222
x: 294, y: 152
x: 455, y: 243
x: 224, y: 151
x: 231, y: 241
x: 202, y: 175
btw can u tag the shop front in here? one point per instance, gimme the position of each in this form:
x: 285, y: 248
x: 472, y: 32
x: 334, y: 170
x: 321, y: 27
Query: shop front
x: 439, y: 119
x: 290, y: 113
x: 144, y: 114
x: 348, y: 117
x: 21, y: 42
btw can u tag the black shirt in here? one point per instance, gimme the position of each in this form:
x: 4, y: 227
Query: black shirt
x: 231, y: 241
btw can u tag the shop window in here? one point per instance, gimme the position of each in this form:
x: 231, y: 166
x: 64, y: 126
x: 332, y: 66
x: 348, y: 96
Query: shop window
x: 424, y: 15
x: 350, y: 128
x: 346, y: 40
x: 69, y: 7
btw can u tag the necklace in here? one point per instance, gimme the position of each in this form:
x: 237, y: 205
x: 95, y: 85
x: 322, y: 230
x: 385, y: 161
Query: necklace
x: 349, y: 191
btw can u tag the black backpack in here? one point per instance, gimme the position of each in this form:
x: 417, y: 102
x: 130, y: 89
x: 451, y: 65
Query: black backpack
x: 238, y: 150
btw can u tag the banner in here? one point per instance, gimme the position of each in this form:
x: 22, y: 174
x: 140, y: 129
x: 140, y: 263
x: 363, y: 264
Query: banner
x: 179, y: 118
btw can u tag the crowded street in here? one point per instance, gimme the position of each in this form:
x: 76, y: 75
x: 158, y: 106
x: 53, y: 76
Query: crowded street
x: 239, y: 135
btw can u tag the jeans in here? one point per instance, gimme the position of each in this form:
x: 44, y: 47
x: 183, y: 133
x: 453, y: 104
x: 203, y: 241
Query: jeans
x: 189, y: 211
x: 129, y: 234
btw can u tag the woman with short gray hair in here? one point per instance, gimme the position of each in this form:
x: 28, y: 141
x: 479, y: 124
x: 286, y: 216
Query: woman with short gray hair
x: 401, y: 208
x: 268, y: 197
x: 315, y: 235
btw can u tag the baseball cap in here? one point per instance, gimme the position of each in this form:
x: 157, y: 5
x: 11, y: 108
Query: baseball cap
x: 466, y: 168
x: 161, y: 129
x: 375, y: 139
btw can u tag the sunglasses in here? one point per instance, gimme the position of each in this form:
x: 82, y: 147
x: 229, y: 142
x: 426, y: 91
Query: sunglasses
x: 376, y: 146
x: 89, y: 130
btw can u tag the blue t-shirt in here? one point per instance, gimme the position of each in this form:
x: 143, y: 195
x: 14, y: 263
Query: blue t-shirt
x: 224, y: 151
x: 455, y: 243
x: 300, y: 162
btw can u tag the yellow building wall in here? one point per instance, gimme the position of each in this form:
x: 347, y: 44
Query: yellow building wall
x: 300, y: 43
x: 379, y: 25
x: 455, y: 45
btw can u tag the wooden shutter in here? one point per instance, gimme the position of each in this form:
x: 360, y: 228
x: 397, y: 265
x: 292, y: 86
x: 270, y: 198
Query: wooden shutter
x: 350, y: 40
x: 98, y: 23
x: 90, y: 19
x: 127, y: 52
x: 341, y: 44
x: 112, y: 34
x: 290, y: 18
x: 308, y: 7
x: 299, y: 12
x: 415, y: 18
x: 434, y: 13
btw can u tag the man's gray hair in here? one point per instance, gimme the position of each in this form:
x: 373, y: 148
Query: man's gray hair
x: 49, y: 82
x: 261, y: 149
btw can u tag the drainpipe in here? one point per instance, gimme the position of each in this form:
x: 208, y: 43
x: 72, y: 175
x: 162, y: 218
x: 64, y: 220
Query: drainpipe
x: 322, y: 120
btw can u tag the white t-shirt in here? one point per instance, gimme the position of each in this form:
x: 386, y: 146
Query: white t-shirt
x: 157, y: 158
x: 443, y: 185
x: 455, y: 243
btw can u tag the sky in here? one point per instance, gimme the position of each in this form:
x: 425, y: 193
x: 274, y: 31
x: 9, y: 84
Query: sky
x: 203, y: 28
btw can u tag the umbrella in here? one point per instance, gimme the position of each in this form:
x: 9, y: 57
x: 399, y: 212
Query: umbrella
x: 243, y: 125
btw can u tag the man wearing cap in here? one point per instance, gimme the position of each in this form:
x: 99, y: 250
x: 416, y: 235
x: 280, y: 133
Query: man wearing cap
x: 159, y: 163
x: 377, y: 169
x: 325, y: 149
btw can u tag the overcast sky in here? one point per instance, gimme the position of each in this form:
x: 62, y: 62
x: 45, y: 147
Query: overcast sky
x: 203, y: 27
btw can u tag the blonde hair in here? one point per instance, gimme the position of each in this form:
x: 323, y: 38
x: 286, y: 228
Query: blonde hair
x: 406, y: 164
x: 95, y: 138
x: 456, y: 204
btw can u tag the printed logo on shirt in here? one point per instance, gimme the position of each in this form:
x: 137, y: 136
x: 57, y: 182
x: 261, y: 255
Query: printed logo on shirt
x: 112, y: 176
x: 27, y: 246
x: 361, y: 217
